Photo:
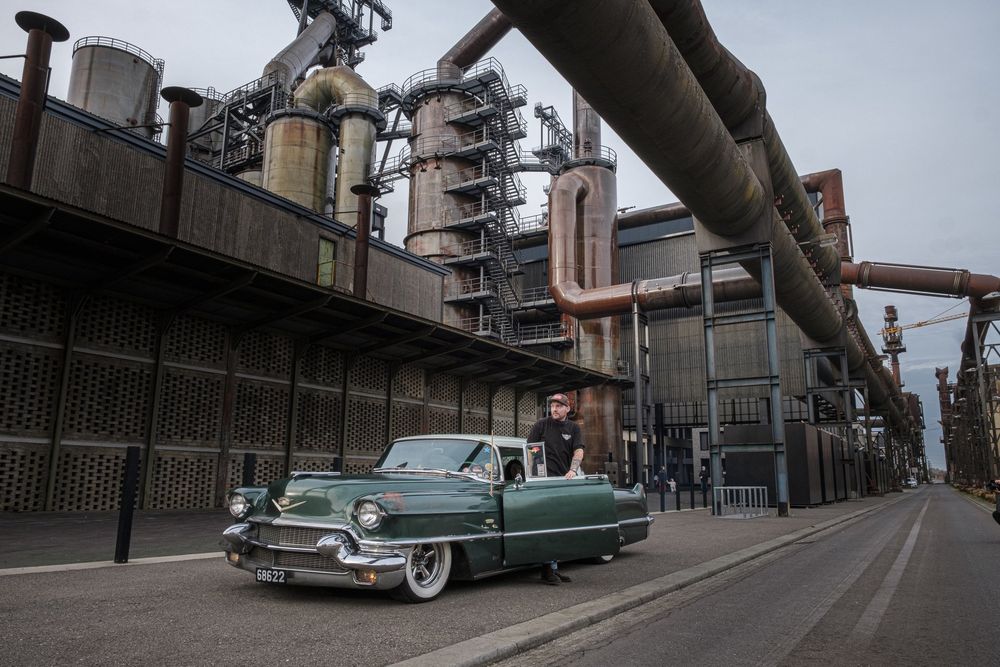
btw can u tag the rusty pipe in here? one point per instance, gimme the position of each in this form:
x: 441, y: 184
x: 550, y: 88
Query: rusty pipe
x: 42, y: 31
x: 181, y: 101
x: 619, y: 57
x: 586, y: 128
x: 565, y: 199
x: 732, y: 89
x: 652, y: 215
x: 473, y: 45
x: 922, y: 279
x: 364, y: 192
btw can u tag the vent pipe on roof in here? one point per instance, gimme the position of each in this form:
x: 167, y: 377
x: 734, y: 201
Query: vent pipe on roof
x: 42, y: 31
x: 181, y: 101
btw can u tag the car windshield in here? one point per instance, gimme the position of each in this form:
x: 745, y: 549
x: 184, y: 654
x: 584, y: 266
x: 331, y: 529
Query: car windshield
x: 469, y: 456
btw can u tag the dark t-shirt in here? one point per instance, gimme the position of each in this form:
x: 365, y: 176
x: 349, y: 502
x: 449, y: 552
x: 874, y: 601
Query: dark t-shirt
x: 561, y: 439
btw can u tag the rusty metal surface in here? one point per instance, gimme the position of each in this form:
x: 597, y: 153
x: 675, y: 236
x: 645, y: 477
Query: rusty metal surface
x: 733, y: 91
x: 364, y: 193
x: 923, y: 279
x: 610, y: 52
x: 296, y: 148
x: 342, y: 86
x: 474, y: 44
x: 42, y: 31
x: 181, y: 100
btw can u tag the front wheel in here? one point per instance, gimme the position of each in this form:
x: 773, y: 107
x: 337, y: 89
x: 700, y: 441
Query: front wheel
x: 427, y: 570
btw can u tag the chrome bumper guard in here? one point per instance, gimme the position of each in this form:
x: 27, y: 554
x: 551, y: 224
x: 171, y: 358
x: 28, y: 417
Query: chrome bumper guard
x: 336, y: 546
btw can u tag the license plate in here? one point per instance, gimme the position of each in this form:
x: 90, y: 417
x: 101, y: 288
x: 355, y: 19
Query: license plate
x: 268, y: 576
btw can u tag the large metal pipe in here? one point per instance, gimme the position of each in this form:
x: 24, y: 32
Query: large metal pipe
x: 181, y: 101
x: 473, y: 45
x: 42, y: 31
x: 923, y: 279
x: 586, y: 128
x: 302, y: 52
x: 621, y: 59
x: 732, y: 89
x: 301, y: 137
x: 586, y: 198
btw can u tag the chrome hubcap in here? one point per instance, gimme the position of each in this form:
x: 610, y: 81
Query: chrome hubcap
x: 424, y: 564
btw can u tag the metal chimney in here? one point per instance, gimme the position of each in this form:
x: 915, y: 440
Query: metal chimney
x: 42, y: 31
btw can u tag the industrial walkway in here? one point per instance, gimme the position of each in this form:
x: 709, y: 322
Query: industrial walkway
x: 123, y: 613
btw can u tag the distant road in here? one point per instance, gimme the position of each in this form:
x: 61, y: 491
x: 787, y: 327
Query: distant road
x: 917, y: 583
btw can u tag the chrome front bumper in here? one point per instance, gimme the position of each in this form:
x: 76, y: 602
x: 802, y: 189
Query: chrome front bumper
x: 333, y: 561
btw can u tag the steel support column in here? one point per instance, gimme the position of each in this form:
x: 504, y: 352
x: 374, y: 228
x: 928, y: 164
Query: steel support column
x: 74, y: 307
x: 292, y: 428
x: 233, y: 339
x: 166, y: 321
x: 761, y: 253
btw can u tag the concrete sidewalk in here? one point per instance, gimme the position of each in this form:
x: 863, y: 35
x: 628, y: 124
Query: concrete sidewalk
x: 31, y: 539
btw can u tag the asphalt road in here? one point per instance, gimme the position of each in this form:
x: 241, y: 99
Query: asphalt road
x: 916, y: 583
x: 205, y: 612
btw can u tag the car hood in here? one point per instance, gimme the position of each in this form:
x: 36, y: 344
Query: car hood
x: 307, y: 497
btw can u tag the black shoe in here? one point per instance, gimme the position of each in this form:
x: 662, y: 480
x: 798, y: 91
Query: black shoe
x: 562, y: 577
x: 550, y: 577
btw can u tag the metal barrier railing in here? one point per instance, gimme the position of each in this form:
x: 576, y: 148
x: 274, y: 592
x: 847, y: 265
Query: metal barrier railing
x: 740, y: 502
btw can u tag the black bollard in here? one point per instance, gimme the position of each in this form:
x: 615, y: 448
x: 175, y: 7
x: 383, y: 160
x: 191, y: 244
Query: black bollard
x: 130, y: 482
x: 677, y: 497
x: 692, y: 494
x: 249, y: 469
x: 663, y: 499
x: 704, y: 498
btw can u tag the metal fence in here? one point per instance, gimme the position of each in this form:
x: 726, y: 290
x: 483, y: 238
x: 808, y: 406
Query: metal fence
x: 740, y: 502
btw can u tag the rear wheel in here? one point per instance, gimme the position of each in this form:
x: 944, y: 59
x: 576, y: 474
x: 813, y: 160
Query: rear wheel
x: 427, y: 569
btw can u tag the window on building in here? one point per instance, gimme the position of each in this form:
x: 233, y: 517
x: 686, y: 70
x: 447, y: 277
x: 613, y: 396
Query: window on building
x: 326, y: 271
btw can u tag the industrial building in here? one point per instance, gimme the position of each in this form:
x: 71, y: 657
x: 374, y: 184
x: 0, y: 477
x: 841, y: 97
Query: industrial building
x: 225, y: 302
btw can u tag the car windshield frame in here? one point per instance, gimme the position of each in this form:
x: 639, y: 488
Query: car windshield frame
x: 435, y: 456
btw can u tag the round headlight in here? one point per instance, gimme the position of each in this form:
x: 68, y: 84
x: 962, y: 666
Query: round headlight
x: 238, y: 505
x: 369, y: 514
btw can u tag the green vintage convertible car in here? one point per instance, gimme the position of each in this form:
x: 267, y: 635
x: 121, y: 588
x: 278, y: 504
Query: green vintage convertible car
x: 434, y: 508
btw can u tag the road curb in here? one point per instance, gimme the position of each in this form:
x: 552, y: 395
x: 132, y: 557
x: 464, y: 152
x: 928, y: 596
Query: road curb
x: 515, y: 639
x: 94, y: 565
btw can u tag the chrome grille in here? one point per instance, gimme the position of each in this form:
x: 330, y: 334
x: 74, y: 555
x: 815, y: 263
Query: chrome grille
x: 292, y: 536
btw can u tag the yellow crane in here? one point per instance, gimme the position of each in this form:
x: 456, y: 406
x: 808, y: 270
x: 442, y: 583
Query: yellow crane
x: 896, y: 330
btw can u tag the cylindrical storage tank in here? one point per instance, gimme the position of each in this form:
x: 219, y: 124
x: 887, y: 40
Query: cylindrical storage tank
x: 297, y: 144
x: 116, y: 81
x: 431, y: 208
x: 204, y: 148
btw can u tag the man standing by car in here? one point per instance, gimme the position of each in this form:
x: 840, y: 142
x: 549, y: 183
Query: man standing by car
x: 563, y: 456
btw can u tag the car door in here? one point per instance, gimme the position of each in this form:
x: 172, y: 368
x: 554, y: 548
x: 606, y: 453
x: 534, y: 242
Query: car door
x: 558, y: 519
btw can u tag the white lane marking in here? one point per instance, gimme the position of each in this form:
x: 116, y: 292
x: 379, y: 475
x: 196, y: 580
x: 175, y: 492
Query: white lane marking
x: 785, y: 645
x: 69, y: 567
x: 872, y: 616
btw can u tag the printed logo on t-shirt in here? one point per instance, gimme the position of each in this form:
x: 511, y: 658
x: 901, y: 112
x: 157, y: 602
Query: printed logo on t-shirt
x: 566, y: 436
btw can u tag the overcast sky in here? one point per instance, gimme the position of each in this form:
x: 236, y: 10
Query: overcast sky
x: 901, y: 95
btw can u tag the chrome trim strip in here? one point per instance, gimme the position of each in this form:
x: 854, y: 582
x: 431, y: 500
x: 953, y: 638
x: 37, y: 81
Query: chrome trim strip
x: 578, y: 529
x: 647, y: 520
x: 371, y: 544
